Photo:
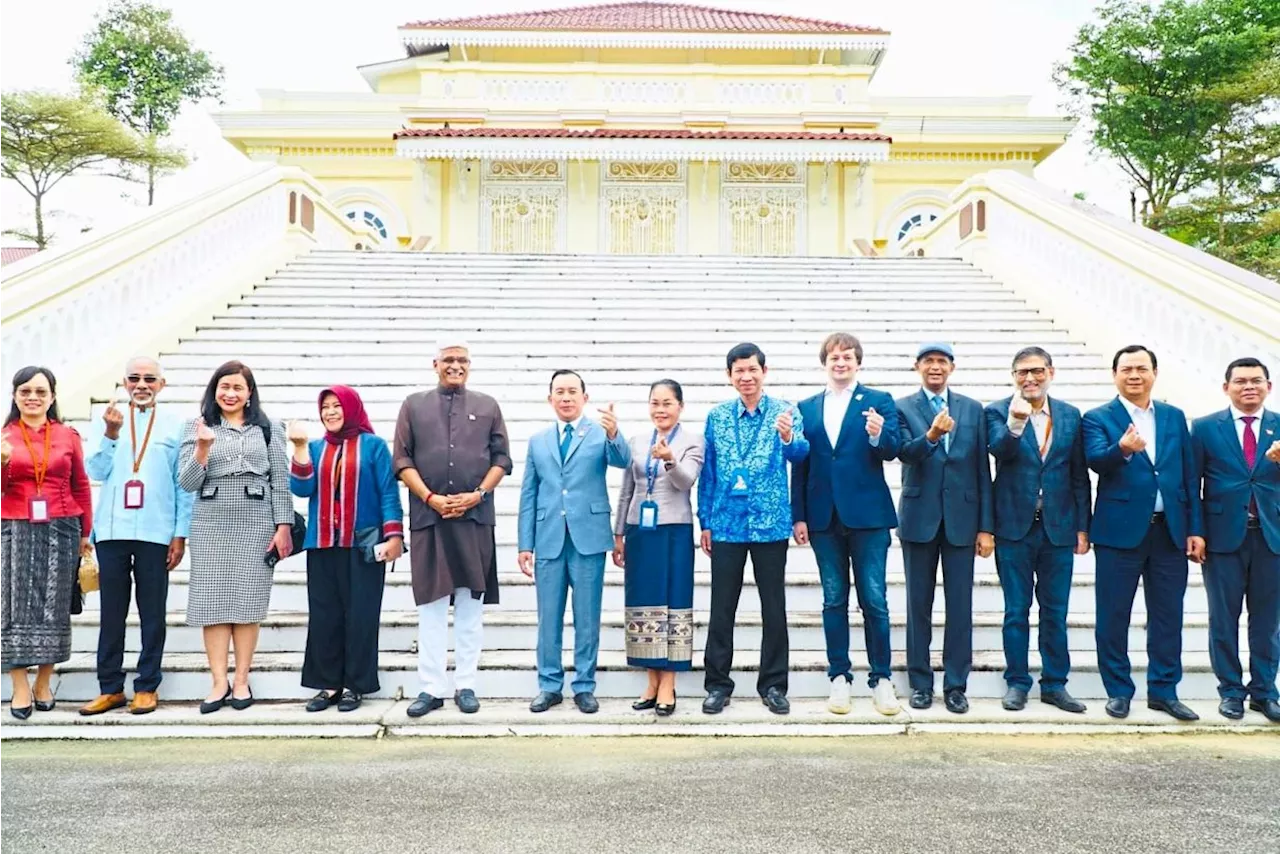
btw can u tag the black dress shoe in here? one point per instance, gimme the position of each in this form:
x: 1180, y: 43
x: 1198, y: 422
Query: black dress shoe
x: 1063, y: 701
x: 45, y: 705
x: 425, y: 703
x: 322, y: 701
x: 586, y: 702
x: 1231, y: 707
x: 1015, y: 700
x: 350, y: 701
x: 957, y: 702
x: 21, y: 712
x: 241, y: 704
x: 1118, y: 707
x: 666, y: 710
x: 921, y: 699
x: 715, y: 702
x: 776, y: 701
x: 466, y: 701
x: 644, y: 704
x: 546, y: 700
x: 1176, y: 708
x: 211, y: 706
x: 1270, y: 709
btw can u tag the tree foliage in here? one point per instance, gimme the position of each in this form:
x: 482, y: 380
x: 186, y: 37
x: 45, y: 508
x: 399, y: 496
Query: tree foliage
x: 47, y: 137
x: 143, y: 70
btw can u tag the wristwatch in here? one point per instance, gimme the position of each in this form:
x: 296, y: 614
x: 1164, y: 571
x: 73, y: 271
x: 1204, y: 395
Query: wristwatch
x: 484, y: 493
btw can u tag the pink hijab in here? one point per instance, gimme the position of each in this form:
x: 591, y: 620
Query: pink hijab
x: 354, y: 419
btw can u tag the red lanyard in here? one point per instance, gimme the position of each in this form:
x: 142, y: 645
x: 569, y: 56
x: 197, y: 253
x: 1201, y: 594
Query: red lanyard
x: 41, y: 466
x: 133, y: 438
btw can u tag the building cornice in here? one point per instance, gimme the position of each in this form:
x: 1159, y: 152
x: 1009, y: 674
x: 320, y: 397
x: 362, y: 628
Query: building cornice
x: 417, y: 39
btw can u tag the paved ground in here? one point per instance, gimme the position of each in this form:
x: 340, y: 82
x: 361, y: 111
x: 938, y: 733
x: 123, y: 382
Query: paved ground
x: 926, y: 793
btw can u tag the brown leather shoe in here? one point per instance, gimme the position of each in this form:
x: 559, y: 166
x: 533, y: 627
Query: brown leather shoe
x: 103, y: 703
x: 143, y: 702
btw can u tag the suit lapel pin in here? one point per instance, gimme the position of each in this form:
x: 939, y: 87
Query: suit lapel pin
x: 471, y: 417
x: 857, y: 397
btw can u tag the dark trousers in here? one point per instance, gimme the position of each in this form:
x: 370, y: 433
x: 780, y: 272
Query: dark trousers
x: 1026, y: 566
x: 1251, y: 575
x: 920, y: 560
x: 122, y: 565
x: 864, y: 550
x: 728, y: 563
x: 1161, y: 564
x: 344, y: 596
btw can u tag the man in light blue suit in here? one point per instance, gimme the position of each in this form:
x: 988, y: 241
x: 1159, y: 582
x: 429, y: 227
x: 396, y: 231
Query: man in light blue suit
x: 1237, y: 454
x: 1146, y: 523
x: 565, y: 533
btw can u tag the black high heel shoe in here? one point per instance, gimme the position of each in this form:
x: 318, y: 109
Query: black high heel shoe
x: 644, y: 704
x: 46, y: 705
x: 20, y: 713
x: 210, y: 706
x: 665, y: 710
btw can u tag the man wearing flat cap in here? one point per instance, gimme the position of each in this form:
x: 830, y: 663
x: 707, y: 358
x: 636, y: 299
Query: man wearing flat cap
x: 945, y: 513
x: 451, y: 451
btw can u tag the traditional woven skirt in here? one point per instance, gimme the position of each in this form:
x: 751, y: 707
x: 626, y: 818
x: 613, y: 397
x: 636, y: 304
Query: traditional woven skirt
x: 659, y: 597
x: 37, y: 575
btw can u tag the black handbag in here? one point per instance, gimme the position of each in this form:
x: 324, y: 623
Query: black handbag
x: 299, y: 531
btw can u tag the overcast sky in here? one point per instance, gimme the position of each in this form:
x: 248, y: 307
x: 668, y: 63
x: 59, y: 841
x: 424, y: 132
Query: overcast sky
x: 939, y: 47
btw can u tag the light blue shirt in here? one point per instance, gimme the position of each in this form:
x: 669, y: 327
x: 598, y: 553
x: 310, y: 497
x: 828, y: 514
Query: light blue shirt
x: 1145, y: 421
x: 946, y: 402
x: 166, y: 507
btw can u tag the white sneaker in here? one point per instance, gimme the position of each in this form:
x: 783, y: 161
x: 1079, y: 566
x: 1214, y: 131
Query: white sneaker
x: 885, y: 699
x: 839, y: 703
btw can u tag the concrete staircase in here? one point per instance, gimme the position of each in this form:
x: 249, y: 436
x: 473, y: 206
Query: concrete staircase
x: 370, y: 320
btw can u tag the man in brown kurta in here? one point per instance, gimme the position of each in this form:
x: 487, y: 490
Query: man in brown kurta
x: 451, y: 451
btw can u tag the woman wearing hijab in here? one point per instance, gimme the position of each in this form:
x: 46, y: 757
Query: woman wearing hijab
x: 354, y: 505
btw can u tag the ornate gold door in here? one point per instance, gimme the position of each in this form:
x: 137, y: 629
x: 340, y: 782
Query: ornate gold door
x: 762, y: 208
x: 522, y: 206
x: 642, y: 208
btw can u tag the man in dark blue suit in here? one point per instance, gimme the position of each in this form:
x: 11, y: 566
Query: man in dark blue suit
x: 1237, y: 454
x: 1042, y: 517
x: 945, y: 511
x: 1146, y: 523
x: 841, y: 504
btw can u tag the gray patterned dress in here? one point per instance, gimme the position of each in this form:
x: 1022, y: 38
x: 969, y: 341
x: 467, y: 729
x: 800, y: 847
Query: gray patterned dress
x: 241, y: 496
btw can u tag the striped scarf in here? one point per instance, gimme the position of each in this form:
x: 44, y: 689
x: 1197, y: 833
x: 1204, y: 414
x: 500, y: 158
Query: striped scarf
x: 339, y: 481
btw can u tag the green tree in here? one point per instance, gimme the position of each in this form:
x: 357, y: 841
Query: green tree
x: 1149, y: 80
x: 143, y: 69
x: 45, y: 137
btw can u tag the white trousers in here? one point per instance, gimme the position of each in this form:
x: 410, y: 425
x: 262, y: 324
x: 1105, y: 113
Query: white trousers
x: 433, y: 642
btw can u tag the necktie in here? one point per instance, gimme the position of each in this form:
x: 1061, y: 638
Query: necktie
x: 936, y: 401
x: 566, y: 441
x: 1250, y: 454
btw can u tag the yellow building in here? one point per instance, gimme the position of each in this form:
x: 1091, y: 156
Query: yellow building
x: 640, y: 128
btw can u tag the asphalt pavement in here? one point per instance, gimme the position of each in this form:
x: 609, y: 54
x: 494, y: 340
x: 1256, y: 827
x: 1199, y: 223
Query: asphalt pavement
x: 646, y: 795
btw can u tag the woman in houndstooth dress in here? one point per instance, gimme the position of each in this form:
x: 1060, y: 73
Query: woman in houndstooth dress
x: 242, y: 511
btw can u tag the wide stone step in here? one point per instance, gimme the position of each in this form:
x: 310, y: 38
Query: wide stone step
x: 868, y: 295
x: 691, y: 312
x: 512, y: 674
x: 506, y: 629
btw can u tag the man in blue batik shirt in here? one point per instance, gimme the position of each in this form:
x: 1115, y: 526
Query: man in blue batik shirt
x: 140, y: 529
x: 744, y: 508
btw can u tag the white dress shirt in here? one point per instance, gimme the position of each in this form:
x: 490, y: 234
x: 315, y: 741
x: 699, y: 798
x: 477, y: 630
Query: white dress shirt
x: 1145, y: 421
x: 560, y: 425
x: 834, y: 407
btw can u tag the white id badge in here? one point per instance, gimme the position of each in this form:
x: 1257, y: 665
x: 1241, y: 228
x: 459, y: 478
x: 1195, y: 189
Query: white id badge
x: 133, y: 495
x: 648, y: 516
x: 38, y: 509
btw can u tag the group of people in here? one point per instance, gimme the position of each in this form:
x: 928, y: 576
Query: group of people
x: 765, y: 471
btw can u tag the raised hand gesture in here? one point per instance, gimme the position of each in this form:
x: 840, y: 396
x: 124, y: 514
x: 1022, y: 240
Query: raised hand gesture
x: 1273, y: 453
x: 6, y: 451
x: 942, y: 424
x: 1132, y: 442
x: 297, y: 434
x: 114, y: 419
x: 609, y: 421
x: 204, y: 434
x: 662, y: 451
x: 1020, y: 408
x: 785, y: 425
x: 875, y: 422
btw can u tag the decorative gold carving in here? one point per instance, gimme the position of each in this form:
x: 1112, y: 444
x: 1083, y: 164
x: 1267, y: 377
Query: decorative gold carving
x: 666, y: 170
x: 763, y: 173
x: 524, y: 170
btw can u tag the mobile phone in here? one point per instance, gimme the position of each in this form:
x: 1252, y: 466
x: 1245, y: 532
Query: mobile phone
x: 272, y: 558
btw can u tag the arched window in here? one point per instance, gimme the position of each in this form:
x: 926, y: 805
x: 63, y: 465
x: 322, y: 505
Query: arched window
x: 368, y: 218
x: 914, y: 221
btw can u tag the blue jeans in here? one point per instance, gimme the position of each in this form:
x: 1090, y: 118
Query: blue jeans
x: 1162, y: 566
x: 867, y: 550
x: 1033, y: 564
x: 552, y: 580
x: 1250, y: 574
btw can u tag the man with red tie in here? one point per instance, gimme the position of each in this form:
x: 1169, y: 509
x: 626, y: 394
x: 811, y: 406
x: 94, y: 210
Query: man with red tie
x: 1237, y: 459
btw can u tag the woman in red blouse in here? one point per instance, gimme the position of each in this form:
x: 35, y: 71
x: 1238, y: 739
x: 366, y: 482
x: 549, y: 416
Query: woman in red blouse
x: 45, y: 520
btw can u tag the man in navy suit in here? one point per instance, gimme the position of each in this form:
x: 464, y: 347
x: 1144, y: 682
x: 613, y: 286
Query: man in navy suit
x: 1042, y: 516
x: 1237, y: 454
x: 1146, y: 523
x: 841, y: 504
x: 945, y: 511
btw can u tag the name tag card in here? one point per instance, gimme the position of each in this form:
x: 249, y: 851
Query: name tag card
x: 648, y: 516
x: 133, y: 492
x: 741, y: 486
x: 38, y: 509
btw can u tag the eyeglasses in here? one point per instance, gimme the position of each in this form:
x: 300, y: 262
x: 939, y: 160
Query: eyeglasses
x: 38, y: 394
x: 456, y: 360
x: 1038, y: 373
x: 142, y: 378
x: 1249, y: 382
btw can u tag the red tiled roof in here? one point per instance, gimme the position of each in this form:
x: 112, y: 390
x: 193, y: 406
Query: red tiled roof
x: 630, y: 133
x: 647, y: 17
x: 9, y: 254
